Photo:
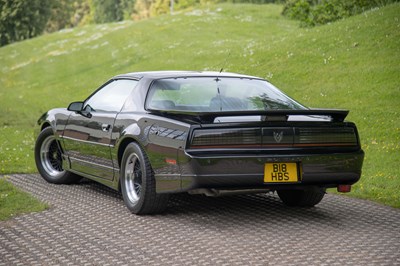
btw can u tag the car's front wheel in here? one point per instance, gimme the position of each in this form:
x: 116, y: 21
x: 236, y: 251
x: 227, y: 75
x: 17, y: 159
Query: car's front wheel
x: 138, y: 183
x: 49, y: 161
x: 301, y: 198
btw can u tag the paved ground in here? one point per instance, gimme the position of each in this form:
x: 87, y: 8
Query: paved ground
x: 88, y: 224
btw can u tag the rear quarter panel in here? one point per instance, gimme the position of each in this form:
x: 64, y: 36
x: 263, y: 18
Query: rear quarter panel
x: 161, y: 138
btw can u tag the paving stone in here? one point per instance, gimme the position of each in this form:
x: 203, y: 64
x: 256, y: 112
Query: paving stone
x: 88, y: 224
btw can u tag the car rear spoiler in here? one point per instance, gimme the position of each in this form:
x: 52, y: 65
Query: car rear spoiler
x: 337, y: 115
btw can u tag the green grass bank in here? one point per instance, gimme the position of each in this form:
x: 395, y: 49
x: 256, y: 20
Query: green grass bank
x: 350, y: 64
x: 14, y: 202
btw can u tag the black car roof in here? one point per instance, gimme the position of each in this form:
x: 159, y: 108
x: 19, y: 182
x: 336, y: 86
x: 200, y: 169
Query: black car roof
x: 176, y: 74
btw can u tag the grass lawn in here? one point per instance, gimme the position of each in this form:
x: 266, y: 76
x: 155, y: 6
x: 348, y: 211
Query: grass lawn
x: 350, y: 64
x: 15, y: 202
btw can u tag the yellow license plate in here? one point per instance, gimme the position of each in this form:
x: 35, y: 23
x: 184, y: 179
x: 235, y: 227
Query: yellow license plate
x: 280, y: 172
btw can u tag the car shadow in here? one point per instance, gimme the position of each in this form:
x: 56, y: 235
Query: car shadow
x: 231, y: 209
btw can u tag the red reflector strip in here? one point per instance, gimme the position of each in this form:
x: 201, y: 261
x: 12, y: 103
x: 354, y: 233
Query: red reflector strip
x: 344, y: 188
x: 170, y: 161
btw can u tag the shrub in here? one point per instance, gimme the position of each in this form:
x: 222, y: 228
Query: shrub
x: 318, y: 12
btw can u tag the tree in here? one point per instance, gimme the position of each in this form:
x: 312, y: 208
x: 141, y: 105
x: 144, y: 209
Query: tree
x: 159, y: 7
x: 61, y: 17
x: 128, y: 8
x: 142, y: 9
x: 107, y: 11
x: 82, y: 14
x: 22, y: 19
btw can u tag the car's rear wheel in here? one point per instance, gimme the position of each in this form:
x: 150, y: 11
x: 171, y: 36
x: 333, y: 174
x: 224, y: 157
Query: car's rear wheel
x: 138, y: 183
x: 301, y: 198
x: 49, y: 161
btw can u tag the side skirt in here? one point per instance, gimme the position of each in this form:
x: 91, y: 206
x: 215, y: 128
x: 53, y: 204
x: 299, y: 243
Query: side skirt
x: 114, y: 184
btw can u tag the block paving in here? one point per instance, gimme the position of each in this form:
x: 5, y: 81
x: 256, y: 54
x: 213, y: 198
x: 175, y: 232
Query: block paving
x: 88, y: 224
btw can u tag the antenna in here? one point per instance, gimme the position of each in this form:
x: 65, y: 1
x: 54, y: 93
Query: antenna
x: 217, y: 80
x: 223, y: 66
x: 225, y: 62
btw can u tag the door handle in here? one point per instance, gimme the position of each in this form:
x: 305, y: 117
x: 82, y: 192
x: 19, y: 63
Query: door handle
x: 105, y: 127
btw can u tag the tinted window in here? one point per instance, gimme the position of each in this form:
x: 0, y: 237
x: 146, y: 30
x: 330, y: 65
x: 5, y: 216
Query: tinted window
x: 111, y: 97
x: 217, y: 94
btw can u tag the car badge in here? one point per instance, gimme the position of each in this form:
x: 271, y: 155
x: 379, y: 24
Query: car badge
x: 278, y: 136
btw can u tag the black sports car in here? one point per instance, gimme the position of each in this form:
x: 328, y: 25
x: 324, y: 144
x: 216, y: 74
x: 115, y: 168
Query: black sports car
x: 151, y: 134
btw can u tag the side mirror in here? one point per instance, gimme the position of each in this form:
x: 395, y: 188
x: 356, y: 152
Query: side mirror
x: 75, y: 107
x: 78, y: 107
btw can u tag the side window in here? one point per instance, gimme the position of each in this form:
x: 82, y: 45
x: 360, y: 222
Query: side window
x: 111, y: 97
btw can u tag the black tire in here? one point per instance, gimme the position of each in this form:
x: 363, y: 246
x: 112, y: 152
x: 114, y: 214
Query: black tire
x: 138, y: 185
x: 49, y: 161
x: 301, y: 198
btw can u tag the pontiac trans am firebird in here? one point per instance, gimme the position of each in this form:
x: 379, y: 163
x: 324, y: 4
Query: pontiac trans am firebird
x: 151, y: 134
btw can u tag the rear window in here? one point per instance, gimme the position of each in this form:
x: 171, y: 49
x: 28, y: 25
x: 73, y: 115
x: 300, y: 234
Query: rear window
x: 217, y: 94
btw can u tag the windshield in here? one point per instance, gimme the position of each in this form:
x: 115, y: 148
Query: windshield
x: 217, y: 94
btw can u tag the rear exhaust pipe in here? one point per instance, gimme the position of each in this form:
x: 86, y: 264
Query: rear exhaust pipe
x: 211, y: 192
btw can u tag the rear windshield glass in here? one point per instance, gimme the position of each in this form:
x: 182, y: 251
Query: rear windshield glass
x: 212, y: 94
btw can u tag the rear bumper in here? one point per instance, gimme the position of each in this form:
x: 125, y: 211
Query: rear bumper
x: 238, y: 172
x: 247, y: 171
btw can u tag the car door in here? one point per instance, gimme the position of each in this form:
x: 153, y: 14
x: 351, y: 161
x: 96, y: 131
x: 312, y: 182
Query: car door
x: 87, y: 135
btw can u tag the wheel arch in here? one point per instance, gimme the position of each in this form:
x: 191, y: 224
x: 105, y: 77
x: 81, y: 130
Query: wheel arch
x: 122, y: 146
x: 120, y: 153
x: 51, y: 119
x: 45, y: 125
x: 42, y: 126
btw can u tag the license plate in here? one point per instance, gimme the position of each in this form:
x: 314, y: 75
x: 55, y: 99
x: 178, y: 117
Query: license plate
x: 280, y: 172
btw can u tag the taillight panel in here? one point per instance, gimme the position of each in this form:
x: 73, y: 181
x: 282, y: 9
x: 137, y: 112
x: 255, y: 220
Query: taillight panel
x: 269, y: 137
x: 338, y: 136
x: 232, y: 137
